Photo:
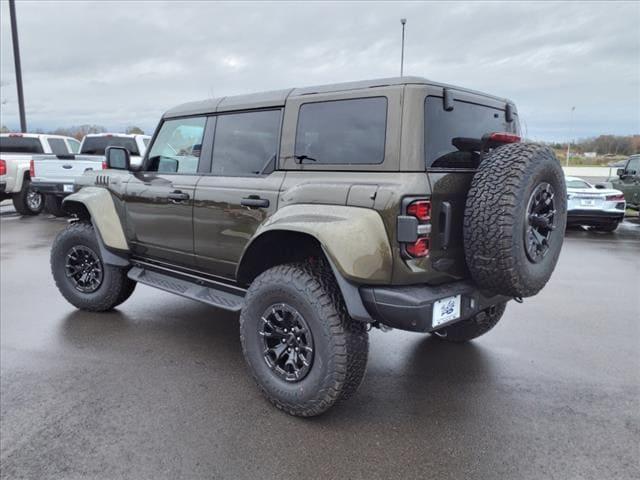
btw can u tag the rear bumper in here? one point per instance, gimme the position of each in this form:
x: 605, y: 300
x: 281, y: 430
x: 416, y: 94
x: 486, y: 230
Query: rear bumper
x: 411, y: 307
x: 51, y: 188
x: 594, y: 217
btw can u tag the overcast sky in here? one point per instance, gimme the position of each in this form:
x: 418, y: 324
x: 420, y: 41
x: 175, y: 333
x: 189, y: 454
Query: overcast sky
x: 124, y: 63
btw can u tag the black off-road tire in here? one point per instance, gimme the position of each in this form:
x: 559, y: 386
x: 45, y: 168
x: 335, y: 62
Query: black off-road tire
x: 115, y: 287
x: 341, y: 344
x: 607, y: 228
x: 497, y: 216
x: 21, y: 200
x: 473, y: 327
x: 53, y: 205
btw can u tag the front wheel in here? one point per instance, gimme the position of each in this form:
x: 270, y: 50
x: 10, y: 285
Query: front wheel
x: 473, y: 327
x: 302, y: 348
x: 28, y: 201
x: 84, y: 280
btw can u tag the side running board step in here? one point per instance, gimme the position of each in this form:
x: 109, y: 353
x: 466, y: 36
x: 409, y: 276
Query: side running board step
x: 185, y: 288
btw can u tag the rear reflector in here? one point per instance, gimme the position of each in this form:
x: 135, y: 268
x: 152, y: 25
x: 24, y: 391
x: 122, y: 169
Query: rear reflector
x: 421, y: 209
x: 504, y: 137
x: 3, y: 167
x: 618, y: 197
x: 419, y: 249
x: 32, y: 169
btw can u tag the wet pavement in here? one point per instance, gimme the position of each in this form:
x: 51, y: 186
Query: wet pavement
x: 158, y: 389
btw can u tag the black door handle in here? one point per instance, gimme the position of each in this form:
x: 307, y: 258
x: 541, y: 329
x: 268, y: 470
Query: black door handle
x: 178, y: 196
x: 254, y: 201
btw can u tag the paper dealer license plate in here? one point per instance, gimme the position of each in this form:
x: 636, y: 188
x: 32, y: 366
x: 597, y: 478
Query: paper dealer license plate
x: 445, y: 310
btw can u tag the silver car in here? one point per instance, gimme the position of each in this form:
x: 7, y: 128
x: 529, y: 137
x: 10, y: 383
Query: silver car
x: 600, y: 208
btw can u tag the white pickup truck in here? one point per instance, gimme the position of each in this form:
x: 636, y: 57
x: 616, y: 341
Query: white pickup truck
x: 16, y: 152
x: 54, y: 176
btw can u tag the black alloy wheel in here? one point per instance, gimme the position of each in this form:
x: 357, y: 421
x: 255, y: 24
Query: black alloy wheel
x: 540, y: 222
x: 84, y: 268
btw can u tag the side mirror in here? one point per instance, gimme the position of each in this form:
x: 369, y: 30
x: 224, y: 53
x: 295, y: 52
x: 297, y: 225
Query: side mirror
x: 117, y: 158
x: 168, y: 165
x: 620, y: 172
x: 632, y: 172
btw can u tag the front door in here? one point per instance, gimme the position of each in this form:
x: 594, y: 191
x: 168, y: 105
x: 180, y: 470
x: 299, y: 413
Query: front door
x: 240, y: 192
x: 159, y: 199
x: 629, y: 183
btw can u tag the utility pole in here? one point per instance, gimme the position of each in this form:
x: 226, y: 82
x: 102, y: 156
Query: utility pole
x: 403, y: 21
x: 16, y: 60
x: 569, y: 141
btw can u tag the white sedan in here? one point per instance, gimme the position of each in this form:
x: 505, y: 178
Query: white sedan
x: 587, y: 205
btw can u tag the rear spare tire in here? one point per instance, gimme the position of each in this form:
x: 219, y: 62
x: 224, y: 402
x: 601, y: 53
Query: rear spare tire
x: 514, y: 221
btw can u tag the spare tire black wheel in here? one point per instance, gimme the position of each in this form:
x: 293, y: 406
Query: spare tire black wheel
x: 514, y: 220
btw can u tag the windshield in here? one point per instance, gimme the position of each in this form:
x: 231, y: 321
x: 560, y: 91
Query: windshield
x: 97, y: 145
x: 17, y: 144
x: 577, y: 184
x: 452, y: 138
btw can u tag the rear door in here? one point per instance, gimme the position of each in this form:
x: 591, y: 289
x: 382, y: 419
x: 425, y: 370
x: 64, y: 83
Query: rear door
x: 241, y: 189
x: 629, y: 183
x: 159, y: 199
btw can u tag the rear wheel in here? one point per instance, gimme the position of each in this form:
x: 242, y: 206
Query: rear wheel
x: 28, y: 201
x: 82, y: 277
x: 302, y: 348
x: 473, y: 327
x: 53, y: 205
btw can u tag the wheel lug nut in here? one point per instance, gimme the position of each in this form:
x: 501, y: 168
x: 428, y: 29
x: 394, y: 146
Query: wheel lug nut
x: 297, y: 349
x: 289, y: 349
x: 285, y: 330
x: 298, y: 338
x: 283, y: 340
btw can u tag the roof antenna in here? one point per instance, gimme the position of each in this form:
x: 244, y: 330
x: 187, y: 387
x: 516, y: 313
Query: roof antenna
x: 403, y: 21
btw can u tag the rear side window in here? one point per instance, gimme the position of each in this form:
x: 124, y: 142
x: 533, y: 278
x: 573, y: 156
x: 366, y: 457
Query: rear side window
x: 74, y: 145
x: 452, y: 138
x: 58, y: 146
x: 20, y: 145
x: 177, y: 146
x: 246, y: 143
x: 351, y: 132
x: 97, y: 145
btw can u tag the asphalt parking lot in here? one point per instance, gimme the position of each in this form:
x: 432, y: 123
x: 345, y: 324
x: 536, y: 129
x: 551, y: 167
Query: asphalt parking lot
x: 158, y: 388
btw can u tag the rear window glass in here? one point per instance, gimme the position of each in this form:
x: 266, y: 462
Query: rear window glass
x: 452, y: 138
x: 97, y: 145
x: 577, y: 184
x: 342, y: 132
x: 58, y: 147
x: 20, y: 145
x: 74, y: 145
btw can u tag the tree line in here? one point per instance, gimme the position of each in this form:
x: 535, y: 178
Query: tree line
x: 605, y: 144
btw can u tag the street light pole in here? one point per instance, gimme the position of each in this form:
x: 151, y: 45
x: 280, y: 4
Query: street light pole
x: 569, y: 140
x: 16, y: 60
x: 403, y: 21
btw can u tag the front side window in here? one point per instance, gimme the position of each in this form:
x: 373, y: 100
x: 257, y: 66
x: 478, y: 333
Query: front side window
x: 453, y: 138
x: 246, y: 143
x: 177, y: 146
x: 342, y: 132
x: 58, y: 147
x: 634, y: 164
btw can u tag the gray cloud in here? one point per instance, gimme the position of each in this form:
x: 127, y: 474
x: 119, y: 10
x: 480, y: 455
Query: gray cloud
x: 124, y: 63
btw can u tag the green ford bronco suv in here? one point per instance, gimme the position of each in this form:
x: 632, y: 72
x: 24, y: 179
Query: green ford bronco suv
x: 319, y: 213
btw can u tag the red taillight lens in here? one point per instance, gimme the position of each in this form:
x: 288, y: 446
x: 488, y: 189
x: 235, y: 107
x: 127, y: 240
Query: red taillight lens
x: 420, y: 248
x: 504, y: 137
x: 104, y: 165
x: 618, y: 197
x: 32, y: 169
x: 421, y: 209
x: 3, y: 167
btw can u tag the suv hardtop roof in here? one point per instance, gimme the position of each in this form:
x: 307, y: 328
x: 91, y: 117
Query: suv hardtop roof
x: 277, y: 98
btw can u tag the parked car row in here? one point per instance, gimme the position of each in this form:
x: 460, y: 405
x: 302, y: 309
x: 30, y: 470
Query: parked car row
x: 38, y: 170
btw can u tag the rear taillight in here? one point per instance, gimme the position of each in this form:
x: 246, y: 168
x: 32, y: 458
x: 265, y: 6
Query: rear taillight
x: 416, y: 225
x: 504, y: 137
x: 104, y: 165
x: 32, y: 169
x: 3, y: 167
x: 421, y: 209
x: 618, y: 197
